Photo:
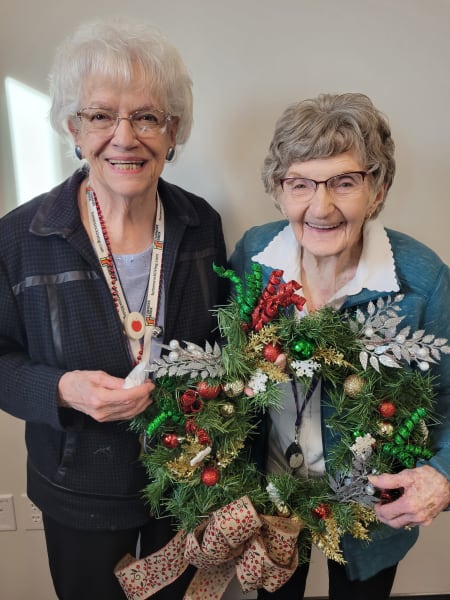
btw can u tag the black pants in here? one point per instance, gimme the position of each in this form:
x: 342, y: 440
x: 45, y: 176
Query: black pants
x: 340, y: 587
x: 82, y: 562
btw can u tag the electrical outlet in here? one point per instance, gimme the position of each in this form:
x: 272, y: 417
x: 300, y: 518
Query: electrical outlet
x: 31, y: 515
x: 7, y: 513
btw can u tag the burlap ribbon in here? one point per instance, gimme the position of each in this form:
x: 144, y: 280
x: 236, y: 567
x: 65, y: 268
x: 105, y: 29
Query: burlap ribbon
x: 260, y: 550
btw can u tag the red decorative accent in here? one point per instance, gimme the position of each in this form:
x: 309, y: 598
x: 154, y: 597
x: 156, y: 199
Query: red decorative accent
x: 136, y: 325
x: 322, y: 511
x: 386, y: 497
x: 387, y: 409
x: 190, y: 402
x: 210, y: 476
x: 191, y: 427
x: 203, y: 437
x: 275, y: 295
x: 170, y: 440
x: 271, y: 352
x: 206, y: 391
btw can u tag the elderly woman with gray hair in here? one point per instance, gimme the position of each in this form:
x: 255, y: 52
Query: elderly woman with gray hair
x: 94, y: 276
x: 329, y: 168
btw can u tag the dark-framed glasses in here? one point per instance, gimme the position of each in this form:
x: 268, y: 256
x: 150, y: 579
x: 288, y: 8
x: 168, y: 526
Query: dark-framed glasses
x: 145, y: 122
x: 342, y: 185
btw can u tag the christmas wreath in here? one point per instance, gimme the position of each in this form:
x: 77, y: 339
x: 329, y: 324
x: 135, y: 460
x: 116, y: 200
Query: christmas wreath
x: 198, y: 433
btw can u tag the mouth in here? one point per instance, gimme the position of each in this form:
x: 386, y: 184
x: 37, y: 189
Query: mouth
x: 126, y: 165
x: 322, y: 227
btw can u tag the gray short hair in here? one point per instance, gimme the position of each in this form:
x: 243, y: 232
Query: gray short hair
x: 328, y: 125
x: 111, y: 49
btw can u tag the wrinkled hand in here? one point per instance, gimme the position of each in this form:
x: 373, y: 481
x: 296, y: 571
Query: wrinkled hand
x: 425, y: 494
x: 101, y: 396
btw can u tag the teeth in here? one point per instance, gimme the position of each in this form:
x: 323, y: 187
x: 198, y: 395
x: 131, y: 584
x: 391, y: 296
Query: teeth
x: 322, y: 226
x: 126, y: 165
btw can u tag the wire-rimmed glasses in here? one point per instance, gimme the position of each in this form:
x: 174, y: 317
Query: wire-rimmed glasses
x: 342, y: 185
x: 145, y: 122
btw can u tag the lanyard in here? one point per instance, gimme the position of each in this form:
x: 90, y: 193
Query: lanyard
x: 138, y: 329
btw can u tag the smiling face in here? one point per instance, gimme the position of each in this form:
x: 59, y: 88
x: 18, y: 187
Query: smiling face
x: 328, y: 225
x: 122, y: 163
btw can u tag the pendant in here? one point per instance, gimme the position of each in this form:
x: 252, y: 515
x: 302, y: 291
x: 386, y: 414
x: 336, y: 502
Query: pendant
x: 294, y: 456
x: 134, y: 325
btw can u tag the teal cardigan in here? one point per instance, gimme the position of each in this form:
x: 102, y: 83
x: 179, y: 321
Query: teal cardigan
x: 425, y: 282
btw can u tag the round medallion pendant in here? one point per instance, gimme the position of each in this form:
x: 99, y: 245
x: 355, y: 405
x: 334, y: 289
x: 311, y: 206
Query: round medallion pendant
x: 134, y: 325
x: 294, y: 456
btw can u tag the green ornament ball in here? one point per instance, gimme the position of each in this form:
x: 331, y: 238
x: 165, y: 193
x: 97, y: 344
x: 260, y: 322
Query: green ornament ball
x: 302, y: 349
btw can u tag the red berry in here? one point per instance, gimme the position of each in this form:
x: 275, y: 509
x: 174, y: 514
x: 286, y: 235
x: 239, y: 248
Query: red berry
x: 271, y: 352
x: 207, y: 391
x: 387, y: 409
x: 210, y: 476
x: 170, y: 440
x: 322, y: 511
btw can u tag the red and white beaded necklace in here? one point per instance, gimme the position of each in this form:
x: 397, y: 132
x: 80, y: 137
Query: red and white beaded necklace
x: 139, y: 329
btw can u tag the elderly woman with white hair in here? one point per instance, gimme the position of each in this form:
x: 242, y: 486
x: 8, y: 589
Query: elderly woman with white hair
x: 94, y: 276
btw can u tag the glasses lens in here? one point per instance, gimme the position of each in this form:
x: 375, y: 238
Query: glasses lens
x: 146, y: 122
x: 346, y: 184
x: 96, y: 119
x: 299, y: 187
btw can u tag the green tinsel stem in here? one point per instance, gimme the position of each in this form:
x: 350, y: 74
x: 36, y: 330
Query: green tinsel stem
x: 154, y: 425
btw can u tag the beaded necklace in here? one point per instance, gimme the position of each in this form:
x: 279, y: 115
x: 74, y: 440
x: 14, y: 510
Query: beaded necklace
x: 139, y: 329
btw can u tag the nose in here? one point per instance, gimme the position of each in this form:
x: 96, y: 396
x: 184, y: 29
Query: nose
x: 124, y: 133
x: 321, y: 203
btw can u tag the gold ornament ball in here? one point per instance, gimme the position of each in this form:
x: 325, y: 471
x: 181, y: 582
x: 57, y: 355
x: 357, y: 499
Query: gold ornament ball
x: 283, y: 510
x: 227, y: 409
x: 385, y: 428
x: 234, y: 388
x: 353, y: 384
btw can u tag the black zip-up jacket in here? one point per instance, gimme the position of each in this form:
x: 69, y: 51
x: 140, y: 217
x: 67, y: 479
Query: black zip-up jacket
x: 57, y: 315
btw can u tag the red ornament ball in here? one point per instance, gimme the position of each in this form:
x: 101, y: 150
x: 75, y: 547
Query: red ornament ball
x: 271, y: 352
x: 387, y: 409
x: 170, y: 440
x: 210, y: 476
x: 207, y: 391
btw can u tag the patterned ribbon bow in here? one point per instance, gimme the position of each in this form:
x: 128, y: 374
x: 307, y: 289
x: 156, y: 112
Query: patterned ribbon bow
x: 260, y: 550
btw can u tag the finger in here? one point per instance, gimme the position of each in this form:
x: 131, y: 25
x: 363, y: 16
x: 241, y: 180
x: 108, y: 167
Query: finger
x: 387, y: 481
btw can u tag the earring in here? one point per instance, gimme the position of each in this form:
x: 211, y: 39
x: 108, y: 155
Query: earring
x: 78, y: 152
x: 170, y: 154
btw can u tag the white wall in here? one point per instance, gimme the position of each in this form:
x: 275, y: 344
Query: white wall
x: 249, y: 59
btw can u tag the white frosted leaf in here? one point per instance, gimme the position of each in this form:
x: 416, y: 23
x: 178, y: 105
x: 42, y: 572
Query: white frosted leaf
x: 396, y: 351
x: 360, y: 316
x: 363, y: 358
x: 374, y: 363
x: 428, y: 339
x: 388, y: 361
x: 435, y: 353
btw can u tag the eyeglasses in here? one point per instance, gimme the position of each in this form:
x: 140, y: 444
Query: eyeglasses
x: 146, y: 122
x: 342, y: 185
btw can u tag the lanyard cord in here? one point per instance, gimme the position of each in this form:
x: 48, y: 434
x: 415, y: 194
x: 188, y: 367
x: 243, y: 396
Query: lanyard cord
x: 306, y: 399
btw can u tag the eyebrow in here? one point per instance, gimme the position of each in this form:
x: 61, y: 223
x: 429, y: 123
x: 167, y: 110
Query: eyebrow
x: 102, y: 106
x: 345, y: 172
